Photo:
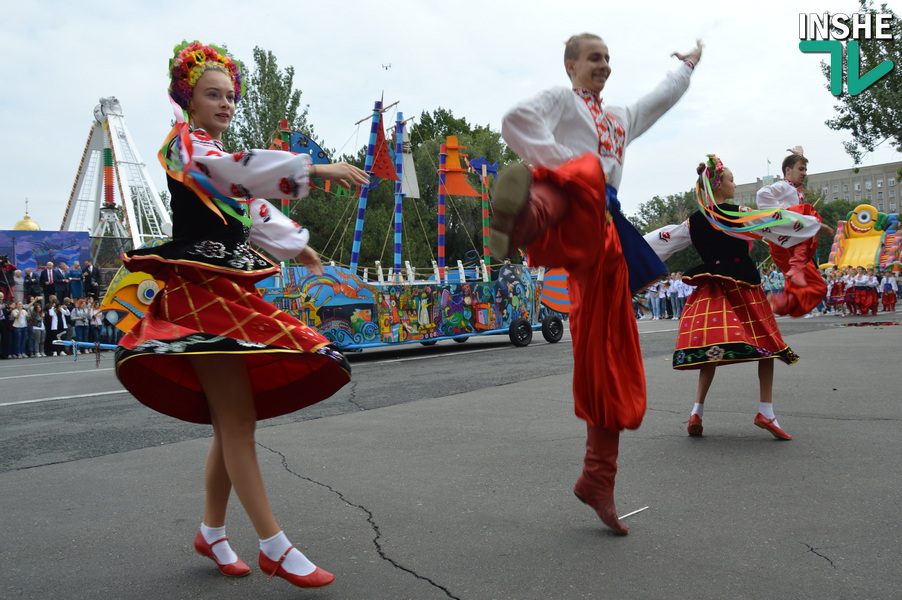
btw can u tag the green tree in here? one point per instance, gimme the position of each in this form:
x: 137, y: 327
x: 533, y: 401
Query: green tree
x: 658, y: 212
x: 875, y: 115
x: 269, y: 97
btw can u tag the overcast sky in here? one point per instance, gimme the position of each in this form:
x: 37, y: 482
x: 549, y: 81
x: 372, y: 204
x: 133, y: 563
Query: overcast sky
x: 753, y: 95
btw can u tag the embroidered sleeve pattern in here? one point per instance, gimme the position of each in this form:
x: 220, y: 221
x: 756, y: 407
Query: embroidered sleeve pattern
x: 274, y: 232
x: 669, y: 240
x: 253, y: 173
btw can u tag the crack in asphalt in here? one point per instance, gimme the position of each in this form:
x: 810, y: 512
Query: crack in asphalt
x: 371, y: 519
x: 814, y: 550
x: 352, y: 398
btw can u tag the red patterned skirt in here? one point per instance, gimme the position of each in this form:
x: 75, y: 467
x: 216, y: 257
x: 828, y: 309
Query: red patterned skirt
x: 837, y: 295
x: 204, y: 311
x: 727, y: 321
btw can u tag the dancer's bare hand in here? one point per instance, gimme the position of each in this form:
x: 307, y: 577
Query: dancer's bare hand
x: 827, y: 230
x: 310, y: 259
x: 694, y: 56
x: 796, y: 150
x: 346, y: 175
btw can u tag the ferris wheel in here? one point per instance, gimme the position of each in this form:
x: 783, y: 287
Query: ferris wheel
x: 113, y: 196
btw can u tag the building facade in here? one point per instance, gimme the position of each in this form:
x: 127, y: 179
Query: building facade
x: 877, y: 185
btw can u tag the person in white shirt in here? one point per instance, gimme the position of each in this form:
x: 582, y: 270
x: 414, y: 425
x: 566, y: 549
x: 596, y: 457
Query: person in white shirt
x: 890, y: 289
x: 651, y: 298
x: 19, y: 315
x: 674, y: 293
x: 848, y: 279
x: 803, y: 288
x: 565, y: 211
x: 866, y: 284
x: 57, y: 326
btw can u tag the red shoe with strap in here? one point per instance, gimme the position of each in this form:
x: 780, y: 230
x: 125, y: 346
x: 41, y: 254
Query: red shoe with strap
x: 765, y: 423
x: 695, y: 425
x: 319, y: 577
x: 236, y: 569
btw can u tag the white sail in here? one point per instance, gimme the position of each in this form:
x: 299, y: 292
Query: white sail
x: 410, y: 187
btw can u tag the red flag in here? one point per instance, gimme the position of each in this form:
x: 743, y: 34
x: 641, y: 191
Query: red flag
x: 382, y: 161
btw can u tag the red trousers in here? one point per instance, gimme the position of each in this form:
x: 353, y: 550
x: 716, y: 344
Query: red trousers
x: 866, y: 299
x: 566, y: 225
x: 802, y: 300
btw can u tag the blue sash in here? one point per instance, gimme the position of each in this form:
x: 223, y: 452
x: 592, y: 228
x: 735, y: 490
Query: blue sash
x: 643, y: 264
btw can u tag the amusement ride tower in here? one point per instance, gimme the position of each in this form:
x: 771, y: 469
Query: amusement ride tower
x: 112, y: 169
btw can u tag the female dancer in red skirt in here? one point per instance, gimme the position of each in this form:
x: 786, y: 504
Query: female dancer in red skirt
x: 728, y: 318
x: 209, y: 349
x: 836, y: 295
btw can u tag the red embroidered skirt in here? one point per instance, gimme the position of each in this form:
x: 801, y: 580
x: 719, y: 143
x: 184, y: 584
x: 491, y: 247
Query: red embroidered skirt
x: 202, y: 311
x: 727, y: 321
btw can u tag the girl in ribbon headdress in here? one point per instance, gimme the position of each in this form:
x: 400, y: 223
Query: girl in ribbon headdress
x: 210, y: 349
x: 727, y: 319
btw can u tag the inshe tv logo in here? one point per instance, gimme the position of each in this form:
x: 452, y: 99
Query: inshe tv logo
x: 826, y: 33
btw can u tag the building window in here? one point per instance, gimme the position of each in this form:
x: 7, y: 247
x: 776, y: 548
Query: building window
x: 867, y: 185
x: 868, y: 197
x: 845, y: 188
x: 892, y: 182
x: 892, y: 206
x: 857, y: 197
x: 857, y: 187
x: 879, y: 183
x: 846, y: 198
x: 880, y: 206
x: 879, y: 195
x: 892, y: 193
x: 835, y: 189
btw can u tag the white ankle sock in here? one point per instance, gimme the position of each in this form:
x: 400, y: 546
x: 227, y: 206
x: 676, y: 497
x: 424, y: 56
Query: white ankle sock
x: 295, y: 563
x: 767, y: 409
x: 698, y: 409
x: 222, y: 551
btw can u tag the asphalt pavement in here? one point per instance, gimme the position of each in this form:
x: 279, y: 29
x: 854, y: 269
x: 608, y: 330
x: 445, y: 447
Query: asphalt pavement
x: 469, y: 496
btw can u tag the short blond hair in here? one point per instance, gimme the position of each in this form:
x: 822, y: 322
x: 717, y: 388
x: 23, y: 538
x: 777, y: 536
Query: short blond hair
x: 572, y: 46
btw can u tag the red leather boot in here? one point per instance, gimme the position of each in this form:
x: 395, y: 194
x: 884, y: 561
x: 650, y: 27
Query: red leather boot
x: 595, y: 486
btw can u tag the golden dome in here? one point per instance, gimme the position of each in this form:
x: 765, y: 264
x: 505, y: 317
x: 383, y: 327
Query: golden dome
x: 26, y: 224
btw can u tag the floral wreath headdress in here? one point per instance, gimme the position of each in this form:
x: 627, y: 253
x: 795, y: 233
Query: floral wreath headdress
x: 185, y: 68
x: 190, y: 61
x: 713, y: 171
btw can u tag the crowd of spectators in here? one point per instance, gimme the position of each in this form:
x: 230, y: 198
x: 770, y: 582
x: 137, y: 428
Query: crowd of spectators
x: 57, y: 303
x: 664, y: 299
